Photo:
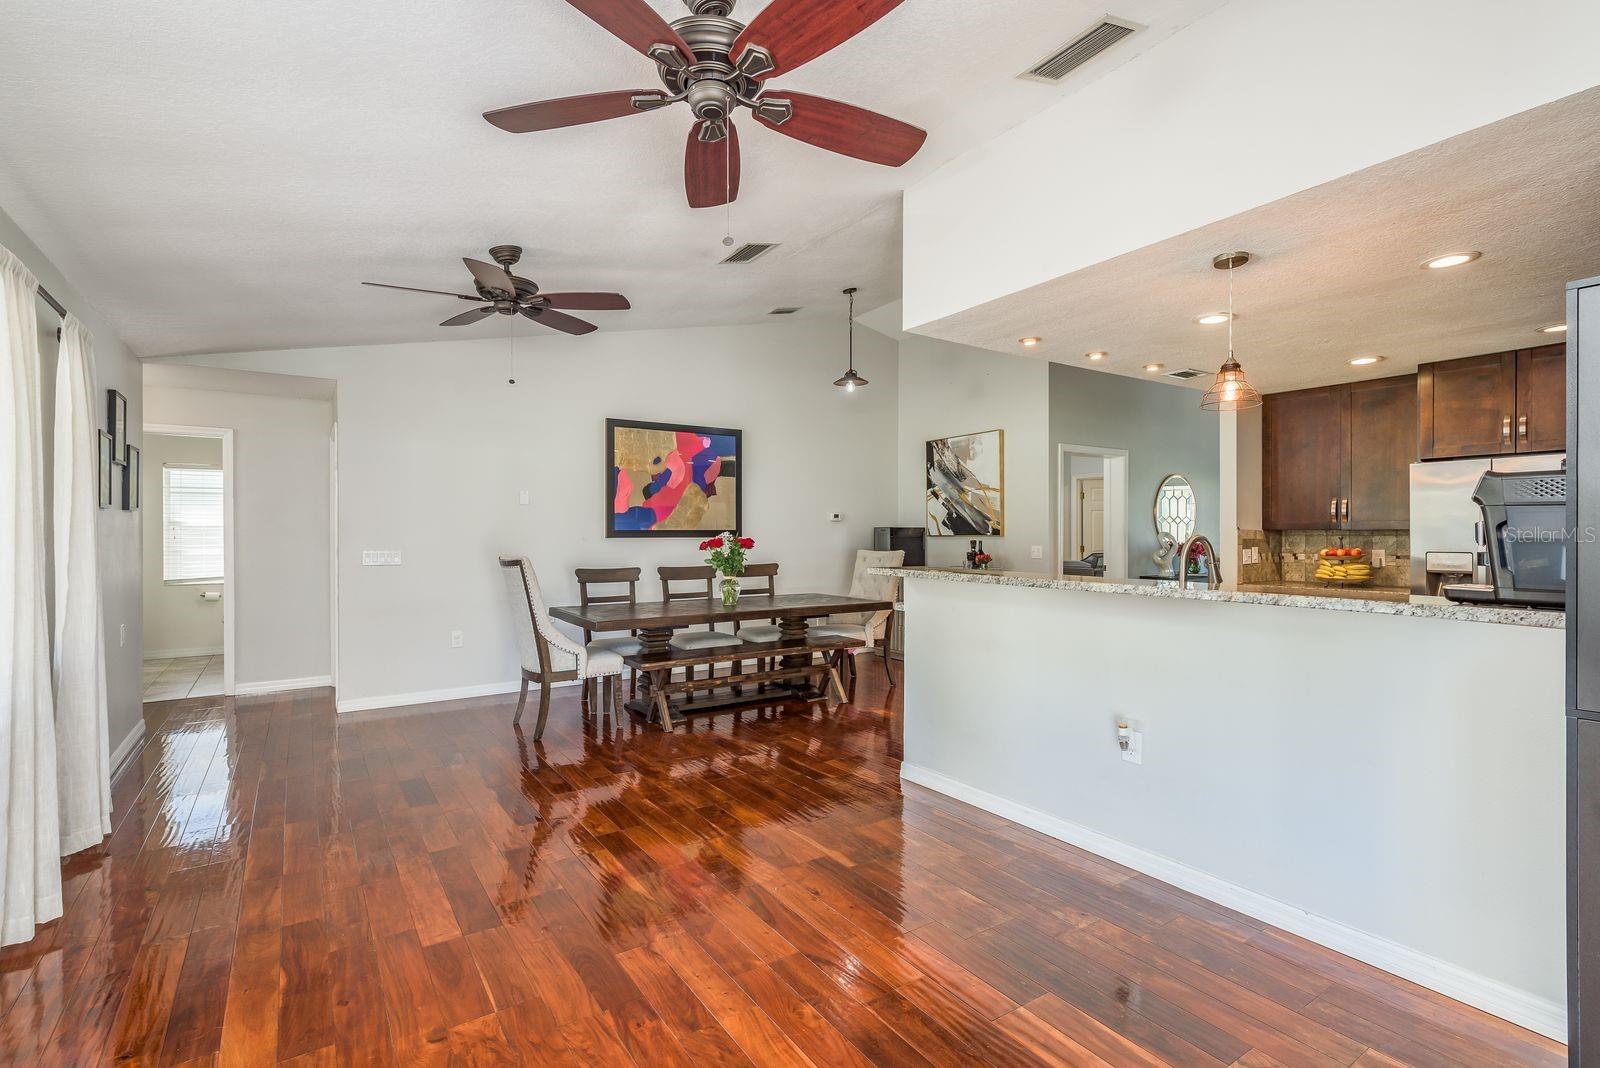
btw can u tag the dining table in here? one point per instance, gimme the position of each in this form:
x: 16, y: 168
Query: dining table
x: 654, y: 623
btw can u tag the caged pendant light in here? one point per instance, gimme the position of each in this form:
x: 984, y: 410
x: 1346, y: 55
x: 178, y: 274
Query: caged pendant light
x: 850, y: 380
x: 1231, y: 392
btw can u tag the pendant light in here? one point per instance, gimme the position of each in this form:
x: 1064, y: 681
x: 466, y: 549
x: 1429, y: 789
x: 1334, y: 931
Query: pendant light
x: 849, y: 381
x: 1231, y: 392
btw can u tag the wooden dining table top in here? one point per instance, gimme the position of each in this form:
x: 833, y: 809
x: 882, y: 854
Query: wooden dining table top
x: 690, y: 612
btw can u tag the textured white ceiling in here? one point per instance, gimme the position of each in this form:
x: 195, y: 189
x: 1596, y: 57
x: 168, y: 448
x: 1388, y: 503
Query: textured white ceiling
x: 1336, y: 272
x: 220, y: 177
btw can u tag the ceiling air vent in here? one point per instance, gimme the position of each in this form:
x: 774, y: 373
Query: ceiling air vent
x: 746, y: 253
x: 1185, y: 374
x: 1079, y: 51
x: 783, y: 311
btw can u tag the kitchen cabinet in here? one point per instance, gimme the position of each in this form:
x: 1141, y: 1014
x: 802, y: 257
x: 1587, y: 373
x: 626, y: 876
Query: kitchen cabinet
x: 1339, y: 457
x: 1490, y: 405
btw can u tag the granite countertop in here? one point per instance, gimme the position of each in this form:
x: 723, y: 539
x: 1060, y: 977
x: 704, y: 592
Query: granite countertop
x: 1370, y: 601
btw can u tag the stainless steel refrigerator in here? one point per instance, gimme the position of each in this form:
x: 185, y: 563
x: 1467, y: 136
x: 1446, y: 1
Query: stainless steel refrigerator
x: 1583, y: 672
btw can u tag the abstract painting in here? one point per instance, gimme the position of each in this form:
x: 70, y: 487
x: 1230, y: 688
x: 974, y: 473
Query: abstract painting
x: 967, y: 485
x: 671, y: 480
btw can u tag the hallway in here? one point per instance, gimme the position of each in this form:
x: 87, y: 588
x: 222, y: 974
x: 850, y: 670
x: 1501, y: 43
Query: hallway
x: 175, y: 678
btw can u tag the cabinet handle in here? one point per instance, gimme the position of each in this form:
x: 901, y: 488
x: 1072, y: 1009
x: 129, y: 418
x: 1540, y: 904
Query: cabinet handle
x: 1522, y: 427
x: 1505, y: 431
x: 1344, y: 508
x: 1333, y: 509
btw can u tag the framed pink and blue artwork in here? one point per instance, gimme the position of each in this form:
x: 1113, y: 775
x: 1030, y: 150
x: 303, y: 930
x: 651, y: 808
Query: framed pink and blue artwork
x: 671, y: 480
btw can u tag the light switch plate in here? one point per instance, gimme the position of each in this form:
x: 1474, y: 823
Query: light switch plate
x: 1134, y: 754
x: 522, y: 497
x: 380, y: 557
x: 1037, y: 552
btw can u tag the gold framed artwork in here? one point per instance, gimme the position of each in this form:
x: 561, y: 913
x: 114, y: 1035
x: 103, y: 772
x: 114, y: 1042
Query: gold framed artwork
x: 966, y: 485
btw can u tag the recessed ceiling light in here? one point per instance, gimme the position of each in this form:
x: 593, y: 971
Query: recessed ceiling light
x: 1154, y: 367
x: 1453, y: 259
x: 1029, y: 342
x: 1213, y: 318
x: 1559, y: 328
x: 1364, y: 361
x: 1095, y: 356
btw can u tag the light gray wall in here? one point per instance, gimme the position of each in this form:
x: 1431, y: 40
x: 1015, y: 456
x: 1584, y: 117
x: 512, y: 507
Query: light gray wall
x: 117, y: 532
x: 1162, y: 428
x: 177, y: 622
x: 280, y: 596
x: 948, y: 389
x: 434, y: 447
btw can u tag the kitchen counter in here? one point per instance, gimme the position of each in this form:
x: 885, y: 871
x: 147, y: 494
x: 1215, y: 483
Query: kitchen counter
x: 1365, y: 600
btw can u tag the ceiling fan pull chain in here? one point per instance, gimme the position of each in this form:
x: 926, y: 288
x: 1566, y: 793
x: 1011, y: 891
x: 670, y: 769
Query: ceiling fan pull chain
x: 727, y: 186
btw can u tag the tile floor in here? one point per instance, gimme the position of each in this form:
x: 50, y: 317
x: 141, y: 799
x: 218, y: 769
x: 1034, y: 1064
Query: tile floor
x: 184, y: 676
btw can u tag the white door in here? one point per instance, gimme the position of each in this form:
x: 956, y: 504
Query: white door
x: 1091, y: 516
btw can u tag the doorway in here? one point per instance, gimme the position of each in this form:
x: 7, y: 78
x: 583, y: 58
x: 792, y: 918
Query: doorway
x: 186, y: 490
x: 1092, y: 488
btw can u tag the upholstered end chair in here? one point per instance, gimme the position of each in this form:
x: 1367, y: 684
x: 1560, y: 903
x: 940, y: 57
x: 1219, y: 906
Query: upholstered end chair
x: 874, y: 628
x: 549, y: 656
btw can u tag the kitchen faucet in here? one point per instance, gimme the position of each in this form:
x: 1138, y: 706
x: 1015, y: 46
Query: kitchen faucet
x: 1213, y: 572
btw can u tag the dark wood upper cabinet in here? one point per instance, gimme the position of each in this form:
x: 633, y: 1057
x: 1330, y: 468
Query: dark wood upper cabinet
x: 1467, y: 407
x: 1490, y: 405
x: 1542, y: 399
x: 1380, y: 447
x: 1302, y: 458
x: 1339, y: 457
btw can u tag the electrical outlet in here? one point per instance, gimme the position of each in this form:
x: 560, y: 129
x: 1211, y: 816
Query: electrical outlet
x: 456, y: 639
x: 1134, y: 754
x: 1037, y: 552
x: 1379, y: 558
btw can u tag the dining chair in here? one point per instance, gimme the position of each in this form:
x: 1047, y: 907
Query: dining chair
x: 758, y: 633
x: 627, y: 644
x: 699, y: 579
x: 548, y: 656
x: 874, y: 628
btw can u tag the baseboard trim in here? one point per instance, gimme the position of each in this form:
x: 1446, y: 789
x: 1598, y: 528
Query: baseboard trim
x: 310, y: 682
x: 427, y: 697
x: 124, y: 751
x: 173, y: 654
x: 1520, y: 1007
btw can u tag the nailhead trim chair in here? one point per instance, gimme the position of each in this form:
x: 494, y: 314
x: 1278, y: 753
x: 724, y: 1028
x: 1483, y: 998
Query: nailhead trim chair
x: 548, y: 656
x: 868, y: 626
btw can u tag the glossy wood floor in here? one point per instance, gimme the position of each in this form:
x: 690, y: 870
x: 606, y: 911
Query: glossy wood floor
x: 288, y: 886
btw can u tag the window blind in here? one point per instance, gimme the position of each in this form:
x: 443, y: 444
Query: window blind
x: 191, y: 524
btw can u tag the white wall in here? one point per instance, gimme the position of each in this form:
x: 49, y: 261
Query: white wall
x: 177, y: 621
x: 434, y: 447
x: 1410, y: 816
x: 280, y: 596
x: 117, y: 532
x: 1257, y: 100
x: 950, y: 389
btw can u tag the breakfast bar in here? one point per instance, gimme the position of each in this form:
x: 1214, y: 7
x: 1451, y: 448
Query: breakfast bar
x: 1379, y: 773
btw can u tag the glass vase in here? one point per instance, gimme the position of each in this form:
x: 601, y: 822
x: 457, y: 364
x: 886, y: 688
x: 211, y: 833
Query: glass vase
x: 730, y: 590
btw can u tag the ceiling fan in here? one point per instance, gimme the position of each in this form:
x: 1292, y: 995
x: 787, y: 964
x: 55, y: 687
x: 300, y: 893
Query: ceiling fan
x: 718, y: 65
x: 500, y: 291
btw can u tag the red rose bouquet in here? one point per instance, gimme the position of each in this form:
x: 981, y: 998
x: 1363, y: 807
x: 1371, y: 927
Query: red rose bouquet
x: 725, y: 553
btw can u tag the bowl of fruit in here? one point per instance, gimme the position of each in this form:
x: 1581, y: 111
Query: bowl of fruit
x: 1343, y: 566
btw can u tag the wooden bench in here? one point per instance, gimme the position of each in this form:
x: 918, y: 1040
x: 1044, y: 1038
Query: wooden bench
x: 806, y: 671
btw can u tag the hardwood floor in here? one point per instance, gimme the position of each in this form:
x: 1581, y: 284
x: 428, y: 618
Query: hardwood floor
x: 285, y: 885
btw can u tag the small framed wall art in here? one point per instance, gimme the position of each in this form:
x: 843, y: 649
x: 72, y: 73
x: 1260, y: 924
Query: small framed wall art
x: 131, y: 474
x: 105, y: 468
x: 117, y: 418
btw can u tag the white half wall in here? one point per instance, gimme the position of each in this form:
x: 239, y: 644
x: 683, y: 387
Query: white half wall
x: 435, y: 447
x: 177, y: 621
x: 948, y: 389
x: 279, y: 599
x: 1257, y: 100
x: 1315, y: 769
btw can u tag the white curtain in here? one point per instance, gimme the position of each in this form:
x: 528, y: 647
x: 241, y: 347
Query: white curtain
x: 83, y: 752
x: 30, y: 860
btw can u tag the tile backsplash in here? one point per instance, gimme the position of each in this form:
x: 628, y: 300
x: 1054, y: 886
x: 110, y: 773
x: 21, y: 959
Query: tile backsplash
x: 1290, y: 556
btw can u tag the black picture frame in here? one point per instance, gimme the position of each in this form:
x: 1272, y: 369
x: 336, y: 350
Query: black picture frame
x: 117, y: 420
x: 132, y: 472
x: 104, y: 466
x: 614, y: 530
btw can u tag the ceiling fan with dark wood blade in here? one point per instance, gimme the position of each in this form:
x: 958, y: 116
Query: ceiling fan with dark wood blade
x: 717, y: 65
x: 500, y: 291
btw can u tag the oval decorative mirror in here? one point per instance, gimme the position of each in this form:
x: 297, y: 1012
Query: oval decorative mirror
x: 1175, y: 509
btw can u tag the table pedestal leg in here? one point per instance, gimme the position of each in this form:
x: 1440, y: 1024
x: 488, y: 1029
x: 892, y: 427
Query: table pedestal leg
x: 655, y: 642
